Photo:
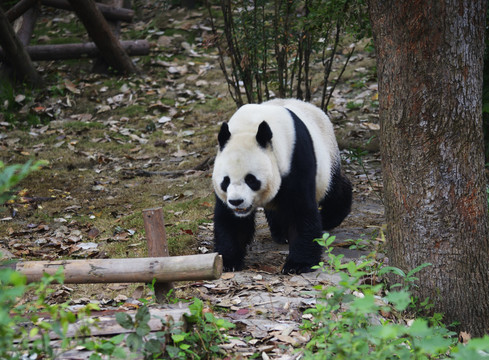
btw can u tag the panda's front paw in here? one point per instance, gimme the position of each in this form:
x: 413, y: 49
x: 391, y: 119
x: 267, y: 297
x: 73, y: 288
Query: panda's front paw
x: 231, y: 268
x: 293, y: 267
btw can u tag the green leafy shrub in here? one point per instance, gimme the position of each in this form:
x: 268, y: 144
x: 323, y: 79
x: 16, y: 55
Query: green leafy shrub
x: 201, y: 342
x: 270, y: 47
x: 346, y: 321
x: 25, y: 327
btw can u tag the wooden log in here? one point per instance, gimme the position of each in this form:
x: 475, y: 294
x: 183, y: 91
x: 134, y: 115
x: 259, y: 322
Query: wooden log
x: 100, y: 66
x: 76, y: 51
x: 28, y: 23
x: 110, y: 12
x: 100, y: 32
x: 163, y: 269
x: 20, y: 8
x: 154, y: 225
x: 16, y: 54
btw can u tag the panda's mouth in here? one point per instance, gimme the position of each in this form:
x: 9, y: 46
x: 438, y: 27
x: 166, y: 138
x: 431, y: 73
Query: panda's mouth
x: 242, y: 211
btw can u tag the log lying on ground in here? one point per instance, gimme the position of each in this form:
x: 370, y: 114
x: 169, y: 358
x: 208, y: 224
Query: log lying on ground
x: 163, y: 269
x: 76, y: 51
x: 109, y: 12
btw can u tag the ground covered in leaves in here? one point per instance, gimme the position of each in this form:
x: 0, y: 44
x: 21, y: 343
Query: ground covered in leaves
x: 119, y: 145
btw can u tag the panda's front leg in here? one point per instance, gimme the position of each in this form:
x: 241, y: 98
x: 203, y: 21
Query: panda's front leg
x: 231, y: 235
x: 304, y: 226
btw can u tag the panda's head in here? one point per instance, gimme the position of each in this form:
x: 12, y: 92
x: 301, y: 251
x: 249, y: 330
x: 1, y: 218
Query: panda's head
x: 246, y: 174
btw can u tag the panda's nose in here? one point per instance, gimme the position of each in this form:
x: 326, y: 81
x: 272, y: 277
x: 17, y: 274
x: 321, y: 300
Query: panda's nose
x: 236, y: 202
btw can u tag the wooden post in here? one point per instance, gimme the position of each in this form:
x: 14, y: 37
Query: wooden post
x: 98, y: 29
x: 16, y: 53
x: 90, y: 271
x: 154, y: 224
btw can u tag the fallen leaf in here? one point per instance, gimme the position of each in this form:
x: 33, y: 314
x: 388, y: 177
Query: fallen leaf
x: 71, y: 87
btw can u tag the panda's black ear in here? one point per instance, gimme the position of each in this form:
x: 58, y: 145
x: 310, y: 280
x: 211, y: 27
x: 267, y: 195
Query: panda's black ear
x: 264, y: 134
x: 223, y: 136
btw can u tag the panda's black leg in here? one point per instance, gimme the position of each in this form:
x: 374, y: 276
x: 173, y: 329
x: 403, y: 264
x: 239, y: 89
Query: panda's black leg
x: 231, y: 235
x: 336, y: 206
x: 304, y: 252
x: 277, y: 228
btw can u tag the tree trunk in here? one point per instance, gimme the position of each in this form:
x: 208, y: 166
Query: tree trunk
x: 429, y: 62
x: 100, y: 32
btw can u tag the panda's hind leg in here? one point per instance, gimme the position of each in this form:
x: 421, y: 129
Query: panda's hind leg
x: 336, y: 205
x: 231, y: 236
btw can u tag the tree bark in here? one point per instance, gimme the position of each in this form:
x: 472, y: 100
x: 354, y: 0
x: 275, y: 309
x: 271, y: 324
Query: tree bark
x: 76, y: 51
x: 100, y: 32
x: 429, y: 63
x: 16, y: 54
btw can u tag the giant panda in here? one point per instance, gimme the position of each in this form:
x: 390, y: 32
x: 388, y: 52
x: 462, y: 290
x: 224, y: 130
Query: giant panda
x: 282, y: 156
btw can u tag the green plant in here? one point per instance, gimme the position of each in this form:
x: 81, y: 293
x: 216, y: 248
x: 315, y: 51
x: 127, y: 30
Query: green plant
x: 11, y: 175
x: 351, y: 105
x: 346, y: 321
x: 25, y: 327
x: 201, y: 342
x: 272, y: 45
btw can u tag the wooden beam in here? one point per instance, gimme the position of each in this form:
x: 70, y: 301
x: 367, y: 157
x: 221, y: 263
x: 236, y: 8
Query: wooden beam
x: 20, y: 8
x: 100, y: 66
x: 154, y: 225
x: 144, y: 270
x: 100, y: 32
x: 16, y: 54
x: 110, y: 12
x: 28, y: 23
x: 76, y: 51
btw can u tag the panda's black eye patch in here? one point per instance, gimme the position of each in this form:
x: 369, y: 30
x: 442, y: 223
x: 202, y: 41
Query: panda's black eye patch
x: 252, y: 182
x: 225, y: 183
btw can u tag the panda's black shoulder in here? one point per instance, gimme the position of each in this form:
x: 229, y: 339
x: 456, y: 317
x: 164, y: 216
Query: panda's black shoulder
x: 303, y: 155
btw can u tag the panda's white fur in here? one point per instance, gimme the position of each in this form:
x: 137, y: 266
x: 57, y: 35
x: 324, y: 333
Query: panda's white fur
x: 241, y: 155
